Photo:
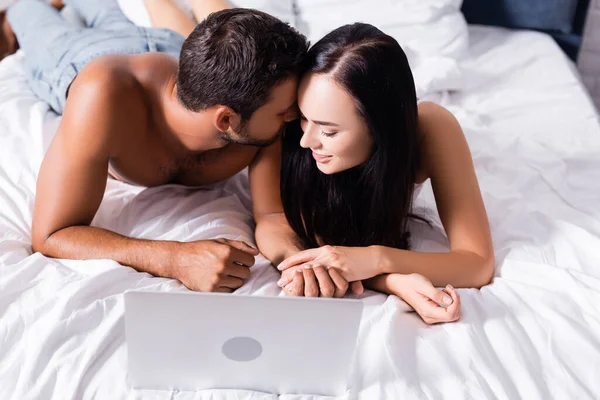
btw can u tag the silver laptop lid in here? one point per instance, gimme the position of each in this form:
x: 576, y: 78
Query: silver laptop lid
x: 193, y: 341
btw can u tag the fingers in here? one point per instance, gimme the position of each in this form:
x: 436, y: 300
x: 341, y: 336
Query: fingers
x: 231, y: 282
x: 357, y: 287
x: 241, y: 257
x: 296, y: 286
x: 242, y: 246
x: 341, y: 284
x: 238, y: 271
x: 284, y: 281
x: 311, y: 288
x: 438, y: 296
x: 454, y: 310
x: 326, y: 285
x: 432, y: 313
x: 298, y: 258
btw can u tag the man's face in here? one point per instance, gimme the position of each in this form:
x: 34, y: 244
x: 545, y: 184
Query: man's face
x: 268, y: 122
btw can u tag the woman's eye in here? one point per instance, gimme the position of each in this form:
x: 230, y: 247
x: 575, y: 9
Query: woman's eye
x: 328, y: 134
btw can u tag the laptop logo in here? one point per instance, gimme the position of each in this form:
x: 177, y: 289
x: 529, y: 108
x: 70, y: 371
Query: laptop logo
x: 242, y: 349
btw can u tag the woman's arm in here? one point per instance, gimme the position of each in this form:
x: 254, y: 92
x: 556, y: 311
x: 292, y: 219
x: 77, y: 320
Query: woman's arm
x: 470, y: 261
x: 459, y: 268
x: 448, y: 163
x: 433, y: 305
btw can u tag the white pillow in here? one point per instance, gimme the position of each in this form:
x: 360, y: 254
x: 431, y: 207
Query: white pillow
x: 136, y: 11
x: 282, y: 9
x: 433, y: 33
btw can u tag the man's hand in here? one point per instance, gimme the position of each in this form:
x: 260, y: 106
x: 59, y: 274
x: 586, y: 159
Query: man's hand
x: 219, y: 265
x: 316, y: 282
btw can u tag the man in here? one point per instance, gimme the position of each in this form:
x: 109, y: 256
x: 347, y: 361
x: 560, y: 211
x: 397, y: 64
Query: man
x: 132, y: 110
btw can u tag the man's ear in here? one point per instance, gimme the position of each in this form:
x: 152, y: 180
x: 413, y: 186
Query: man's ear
x: 225, y: 118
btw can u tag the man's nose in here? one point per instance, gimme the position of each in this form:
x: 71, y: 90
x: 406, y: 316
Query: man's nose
x: 290, y: 115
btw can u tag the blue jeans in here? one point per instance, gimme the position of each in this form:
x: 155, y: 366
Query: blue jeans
x: 56, y: 50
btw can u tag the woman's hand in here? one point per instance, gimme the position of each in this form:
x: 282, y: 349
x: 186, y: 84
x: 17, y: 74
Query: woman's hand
x: 433, y: 305
x: 354, y: 263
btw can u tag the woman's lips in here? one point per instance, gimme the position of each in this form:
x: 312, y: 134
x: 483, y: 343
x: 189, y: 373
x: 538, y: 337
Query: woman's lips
x: 321, y: 158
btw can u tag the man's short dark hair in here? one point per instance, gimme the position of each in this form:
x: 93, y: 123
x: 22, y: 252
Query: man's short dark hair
x: 235, y: 57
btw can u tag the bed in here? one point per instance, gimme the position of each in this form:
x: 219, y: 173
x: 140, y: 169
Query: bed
x: 534, y: 333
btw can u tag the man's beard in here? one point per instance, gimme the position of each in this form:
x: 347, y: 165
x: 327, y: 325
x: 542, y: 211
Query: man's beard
x: 244, y: 137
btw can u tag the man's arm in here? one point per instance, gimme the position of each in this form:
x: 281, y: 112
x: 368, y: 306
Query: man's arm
x: 274, y: 236
x: 104, y: 106
x: 73, y: 174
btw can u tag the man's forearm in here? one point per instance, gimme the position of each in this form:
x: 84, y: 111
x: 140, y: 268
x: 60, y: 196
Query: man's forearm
x: 275, y: 238
x: 90, y: 243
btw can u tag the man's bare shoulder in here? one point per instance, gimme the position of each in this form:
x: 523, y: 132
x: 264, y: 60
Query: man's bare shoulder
x: 122, y: 75
x: 110, y: 97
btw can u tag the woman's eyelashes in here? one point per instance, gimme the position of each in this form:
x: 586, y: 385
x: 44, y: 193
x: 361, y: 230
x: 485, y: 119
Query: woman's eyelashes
x: 328, y: 134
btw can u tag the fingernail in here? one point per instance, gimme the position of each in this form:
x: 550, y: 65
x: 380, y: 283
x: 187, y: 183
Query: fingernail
x: 279, y: 267
x: 299, y: 270
x: 447, y: 300
x: 280, y: 282
x: 449, y: 287
x: 307, y: 267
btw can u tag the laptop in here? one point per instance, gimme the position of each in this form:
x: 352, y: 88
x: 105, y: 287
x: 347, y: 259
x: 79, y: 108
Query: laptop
x: 194, y: 341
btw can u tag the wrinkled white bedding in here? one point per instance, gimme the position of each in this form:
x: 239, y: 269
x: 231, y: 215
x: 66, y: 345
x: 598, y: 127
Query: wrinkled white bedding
x: 533, y: 333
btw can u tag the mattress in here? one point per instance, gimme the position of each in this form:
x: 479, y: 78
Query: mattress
x: 533, y: 333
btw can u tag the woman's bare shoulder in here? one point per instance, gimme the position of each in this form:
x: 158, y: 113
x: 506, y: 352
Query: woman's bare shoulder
x: 433, y: 113
x: 436, y: 125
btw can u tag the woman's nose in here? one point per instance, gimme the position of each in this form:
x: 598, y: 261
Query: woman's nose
x: 310, y: 137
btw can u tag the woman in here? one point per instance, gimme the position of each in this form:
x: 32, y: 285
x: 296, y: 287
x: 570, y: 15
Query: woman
x: 351, y: 166
x: 353, y: 163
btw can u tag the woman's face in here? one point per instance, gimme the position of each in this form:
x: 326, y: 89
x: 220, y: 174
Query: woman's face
x: 333, y: 129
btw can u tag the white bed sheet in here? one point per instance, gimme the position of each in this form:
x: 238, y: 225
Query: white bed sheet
x: 533, y: 333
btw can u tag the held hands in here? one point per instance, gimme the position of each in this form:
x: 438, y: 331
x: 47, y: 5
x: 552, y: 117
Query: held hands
x: 316, y: 282
x: 222, y: 265
x: 326, y: 271
x: 219, y: 265
x: 353, y: 263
